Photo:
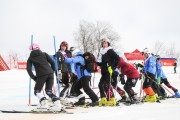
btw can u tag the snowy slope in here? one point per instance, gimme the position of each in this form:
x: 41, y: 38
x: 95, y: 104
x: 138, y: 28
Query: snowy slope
x: 14, y: 90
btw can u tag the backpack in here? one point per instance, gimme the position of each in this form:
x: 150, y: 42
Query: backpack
x: 90, y: 62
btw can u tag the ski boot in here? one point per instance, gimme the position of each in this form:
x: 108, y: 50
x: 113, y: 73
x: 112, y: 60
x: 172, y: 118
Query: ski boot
x: 103, y: 101
x: 111, y: 102
x: 93, y: 104
x: 123, y: 99
x: 146, y: 98
x: 56, y: 106
x: 81, y: 102
x: 64, y: 101
x: 153, y: 98
x: 43, y: 105
x: 158, y: 97
x: 134, y: 99
x: 177, y: 94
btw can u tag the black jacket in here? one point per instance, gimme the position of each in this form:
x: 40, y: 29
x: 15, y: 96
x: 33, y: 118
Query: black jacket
x: 42, y: 63
x: 64, y: 67
x: 110, y: 58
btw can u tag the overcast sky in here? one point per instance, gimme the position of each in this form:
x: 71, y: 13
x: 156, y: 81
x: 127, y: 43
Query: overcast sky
x: 139, y: 23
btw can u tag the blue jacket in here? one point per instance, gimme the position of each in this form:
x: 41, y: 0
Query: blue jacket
x: 150, y: 65
x: 78, y: 59
x: 72, y: 68
x: 160, y: 72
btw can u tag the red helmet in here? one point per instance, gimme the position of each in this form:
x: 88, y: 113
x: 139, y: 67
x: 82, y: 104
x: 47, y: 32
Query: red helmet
x: 64, y: 43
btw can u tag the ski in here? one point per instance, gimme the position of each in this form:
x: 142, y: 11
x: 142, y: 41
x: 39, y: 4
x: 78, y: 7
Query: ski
x: 37, y: 112
x: 172, y: 97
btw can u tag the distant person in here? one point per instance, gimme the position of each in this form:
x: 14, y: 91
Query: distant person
x: 44, y: 69
x: 175, y: 65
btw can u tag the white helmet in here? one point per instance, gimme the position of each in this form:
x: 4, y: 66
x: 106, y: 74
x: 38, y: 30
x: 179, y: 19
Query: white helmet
x: 105, y: 40
x: 146, y: 51
x: 75, y: 52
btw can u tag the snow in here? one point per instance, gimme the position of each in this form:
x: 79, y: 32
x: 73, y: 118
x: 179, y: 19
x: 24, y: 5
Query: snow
x: 14, y: 89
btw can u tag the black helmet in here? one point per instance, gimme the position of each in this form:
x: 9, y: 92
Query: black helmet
x: 72, y: 48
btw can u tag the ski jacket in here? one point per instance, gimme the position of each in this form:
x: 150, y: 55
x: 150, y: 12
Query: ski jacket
x: 40, y: 60
x: 76, y: 60
x: 64, y: 67
x: 109, y: 58
x: 159, y: 70
x: 127, y: 69
x: 150, y: 64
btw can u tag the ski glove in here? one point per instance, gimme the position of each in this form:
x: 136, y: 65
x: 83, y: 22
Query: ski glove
x: 61, y: 57
x: 159, y: 80
x: 110, y: 70
x: 122, y: 79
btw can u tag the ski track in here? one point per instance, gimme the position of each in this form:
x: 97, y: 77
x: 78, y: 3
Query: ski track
x: 14, y: 95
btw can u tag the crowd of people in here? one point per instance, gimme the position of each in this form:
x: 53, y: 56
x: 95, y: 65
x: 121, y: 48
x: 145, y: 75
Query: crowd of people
x: 74, y: 72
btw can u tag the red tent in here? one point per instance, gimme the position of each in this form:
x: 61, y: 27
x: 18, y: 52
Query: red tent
x: 135, y: 55
x: 3, y: 65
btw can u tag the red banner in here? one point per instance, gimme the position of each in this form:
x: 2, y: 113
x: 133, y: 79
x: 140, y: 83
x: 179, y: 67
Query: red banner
x: 167, y: 61
x: 22, y: 65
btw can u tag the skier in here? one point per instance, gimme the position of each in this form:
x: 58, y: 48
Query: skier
x: 132, y: 76
x: 84, y: 78
x: 149, y: 72
x: 108, y: 63
x: 161, y: 78
x: 74, y: 78
x: 44, y: 75
x: 64, y: 69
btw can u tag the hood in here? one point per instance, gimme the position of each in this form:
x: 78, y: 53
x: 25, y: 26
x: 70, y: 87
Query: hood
x: 35, y: 53
x: 104, y: 50
x: 122, y: 63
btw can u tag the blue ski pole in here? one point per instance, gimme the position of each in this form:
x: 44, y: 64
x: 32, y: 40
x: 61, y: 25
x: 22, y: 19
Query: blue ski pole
x: 56, y: 61
x: 30, y: 77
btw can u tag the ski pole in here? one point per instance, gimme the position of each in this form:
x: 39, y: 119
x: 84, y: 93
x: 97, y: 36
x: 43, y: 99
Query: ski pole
x: 141, y: 87
x: 167, y: 90
x: 93, y: 80
x: 56, y: 61
x: 30, y: 77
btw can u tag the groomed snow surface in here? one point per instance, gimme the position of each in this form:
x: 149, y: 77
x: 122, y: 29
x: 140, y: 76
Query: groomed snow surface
x: 14, y: 92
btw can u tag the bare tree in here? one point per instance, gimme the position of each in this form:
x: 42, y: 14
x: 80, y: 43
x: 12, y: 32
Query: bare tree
x: 170, y: 52
x: 159, y: 48
x: 89, y: 36
x: 12, y: 59
x: 84, y: 36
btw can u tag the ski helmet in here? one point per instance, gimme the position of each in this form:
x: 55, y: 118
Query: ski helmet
x: 146, y: 51
x: 34, y: 46
x: 72, y: 48
x: 75, y: 52
x: 158, y: 57
x: 64, y: 43
x: 105, y: 40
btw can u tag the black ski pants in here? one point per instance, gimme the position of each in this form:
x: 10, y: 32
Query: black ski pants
x: 84, y: 83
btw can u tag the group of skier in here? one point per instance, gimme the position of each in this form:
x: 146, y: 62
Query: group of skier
x: 75, y: 69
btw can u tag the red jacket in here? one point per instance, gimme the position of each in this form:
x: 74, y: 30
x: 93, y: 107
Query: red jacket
x: 127, y: 69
